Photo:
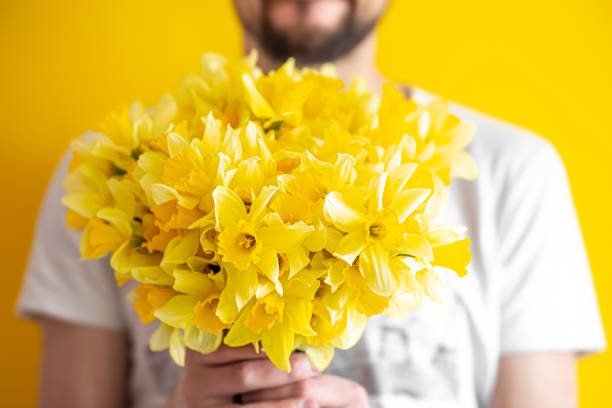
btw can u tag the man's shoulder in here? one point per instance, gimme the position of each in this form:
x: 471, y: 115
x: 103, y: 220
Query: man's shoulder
x: 498, y: 139
x: 498, y: 144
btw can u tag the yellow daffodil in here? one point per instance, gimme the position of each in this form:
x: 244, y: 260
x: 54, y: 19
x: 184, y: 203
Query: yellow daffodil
x: 151, y: 298
x: 280, y: 210
x: 277, y: 319
x: 374, y: 231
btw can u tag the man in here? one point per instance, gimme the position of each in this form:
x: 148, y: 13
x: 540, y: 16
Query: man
x: 523, y: 314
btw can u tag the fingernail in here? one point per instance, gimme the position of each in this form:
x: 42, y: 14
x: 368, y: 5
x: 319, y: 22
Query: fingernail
x: 309, y: 404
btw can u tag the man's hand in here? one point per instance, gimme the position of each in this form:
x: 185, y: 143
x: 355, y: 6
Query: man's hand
x: 327, y: 390
x: 213, y: 380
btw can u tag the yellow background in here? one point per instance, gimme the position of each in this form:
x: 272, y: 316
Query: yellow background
x: 544, y: 64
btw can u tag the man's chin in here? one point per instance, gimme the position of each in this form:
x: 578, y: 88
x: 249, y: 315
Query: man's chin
x: 310, y: 34
x: 306, y: 49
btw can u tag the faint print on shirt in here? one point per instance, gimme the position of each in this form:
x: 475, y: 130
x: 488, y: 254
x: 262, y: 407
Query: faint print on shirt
x: 416, y: 358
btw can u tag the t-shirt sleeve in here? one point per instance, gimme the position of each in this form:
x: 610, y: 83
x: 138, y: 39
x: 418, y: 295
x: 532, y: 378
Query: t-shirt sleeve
x: 57, y: 282
x: 548, y: 299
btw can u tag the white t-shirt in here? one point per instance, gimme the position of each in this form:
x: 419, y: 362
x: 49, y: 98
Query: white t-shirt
x: 529, y: 286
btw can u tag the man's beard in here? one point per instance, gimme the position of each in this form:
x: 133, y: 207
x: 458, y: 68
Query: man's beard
x: 334, y: 45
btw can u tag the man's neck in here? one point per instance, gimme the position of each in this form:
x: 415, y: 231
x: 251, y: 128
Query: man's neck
x: 360, y: 61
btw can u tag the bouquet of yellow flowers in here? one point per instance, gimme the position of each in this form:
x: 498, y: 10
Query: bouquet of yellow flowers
x: 277, y: 209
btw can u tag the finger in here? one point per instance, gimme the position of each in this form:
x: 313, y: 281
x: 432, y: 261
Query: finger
x: 249, y: 375
x: 286, y: 403
x: 223, y: 355
x: 327, y: 390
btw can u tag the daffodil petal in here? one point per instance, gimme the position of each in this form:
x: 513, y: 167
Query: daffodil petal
x: 344, y: 170
x: 118, y: 219
x: 407, y: 201
x: 126, y: 259
x: 202, y: 340
x: 319, y: 356
x: 193, y: 283
x: 85, y: 204
x: 178, y: 311
x: 377, y: 190
x: 232, y: 145
x: 278, y: 344
x: 260, y: 107
x: 298, y: 259
x: 355, y: 324
x: 260, y: 203
x: 442, y: 237
x: 160, y: 339
x: 400, y: 303
x: 284, y: 238
x: 335, y: 274
x: 398, y: 178
x: 229, y: 208
x: 212, y: 133
x: 240, y: 335
x: 350, y: 246
x: 342, y: 214
x: 432, y: 285
x: 316, y: 241
x: 177, y: 347
x: 298, y: 312
x: 455, y: 256
x: 123, y: 198
x: 180, y: 249
x: 240, y: 287
x: 417, y: 246
x: 162, y: 194
x: 374, y: 267
x: 153, y: 275
x: 268, y: 264
x: 462, y: 134
x: 464, y: 166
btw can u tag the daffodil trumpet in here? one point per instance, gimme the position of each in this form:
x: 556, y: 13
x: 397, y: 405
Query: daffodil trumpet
x: 281, y: 210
